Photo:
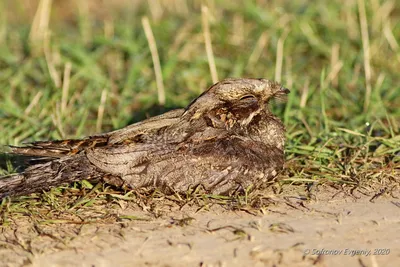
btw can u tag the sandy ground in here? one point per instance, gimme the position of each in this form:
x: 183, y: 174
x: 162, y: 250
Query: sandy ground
x: 330, y: 230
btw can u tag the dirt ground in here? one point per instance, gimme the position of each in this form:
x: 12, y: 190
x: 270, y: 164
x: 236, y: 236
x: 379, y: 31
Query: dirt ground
x: 332, y: 229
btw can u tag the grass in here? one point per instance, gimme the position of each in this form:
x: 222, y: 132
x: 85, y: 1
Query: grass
x: 91, y: 67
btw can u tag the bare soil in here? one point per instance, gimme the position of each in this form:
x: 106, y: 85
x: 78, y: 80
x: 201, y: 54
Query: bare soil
x: 332, y: 228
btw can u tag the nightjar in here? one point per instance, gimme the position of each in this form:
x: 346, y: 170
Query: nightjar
x: 226, y: 140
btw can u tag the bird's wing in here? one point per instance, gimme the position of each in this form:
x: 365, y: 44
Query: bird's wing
x: 61, y: 148
x: 58, y: 148
x: 220, y: 165
x: 145, y: 127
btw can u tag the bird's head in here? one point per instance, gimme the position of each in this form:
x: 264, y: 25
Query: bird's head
x: 240, y: 99
x: 234, y: 90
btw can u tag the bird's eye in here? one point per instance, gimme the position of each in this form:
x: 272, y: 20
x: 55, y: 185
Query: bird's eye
x: 247, y: 97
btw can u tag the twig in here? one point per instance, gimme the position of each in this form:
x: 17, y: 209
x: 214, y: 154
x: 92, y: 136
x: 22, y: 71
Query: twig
x: 156, y: 60
x: 207, y: 39
x: 365, y: 42
x: 100, y: 112
x: 279, y: 56
x: 65, y: 86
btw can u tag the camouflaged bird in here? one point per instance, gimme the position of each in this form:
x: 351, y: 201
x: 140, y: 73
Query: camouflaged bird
x: 226, y: 140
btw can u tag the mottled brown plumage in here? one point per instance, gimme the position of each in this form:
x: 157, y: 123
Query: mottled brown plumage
x: 225, y: 140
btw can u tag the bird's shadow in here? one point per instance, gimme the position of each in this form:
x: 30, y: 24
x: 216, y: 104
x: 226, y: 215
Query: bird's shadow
x: 13, y: 163
x: 18, y: 163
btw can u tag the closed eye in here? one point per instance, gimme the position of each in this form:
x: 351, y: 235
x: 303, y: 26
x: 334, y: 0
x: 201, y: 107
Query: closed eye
x: 247, y: 97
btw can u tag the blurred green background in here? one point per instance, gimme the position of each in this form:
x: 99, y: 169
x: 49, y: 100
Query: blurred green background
x: 75, y: 68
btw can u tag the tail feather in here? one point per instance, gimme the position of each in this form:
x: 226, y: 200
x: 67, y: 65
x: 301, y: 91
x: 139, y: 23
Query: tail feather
x: 60, y: 148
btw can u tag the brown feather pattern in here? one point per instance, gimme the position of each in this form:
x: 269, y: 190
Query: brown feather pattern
x: 225, y: 140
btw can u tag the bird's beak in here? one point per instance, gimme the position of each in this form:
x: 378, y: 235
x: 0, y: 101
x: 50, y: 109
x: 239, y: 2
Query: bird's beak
x: 285, y: 90
x: 281, y: 94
